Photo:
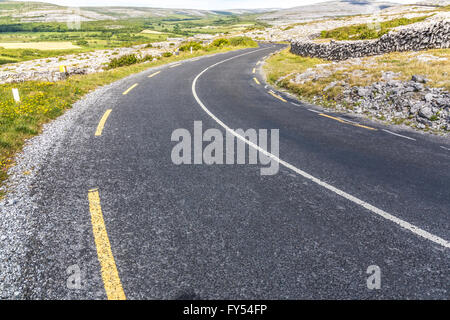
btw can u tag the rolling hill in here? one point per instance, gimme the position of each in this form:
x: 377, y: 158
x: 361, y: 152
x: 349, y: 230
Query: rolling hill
x: 326, y: 9
x: 45, y: 12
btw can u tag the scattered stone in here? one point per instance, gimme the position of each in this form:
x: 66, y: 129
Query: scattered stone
x: 418, y: 87
x: 363, y: 92
x: 429, y: 57
x: 425, y: 108
x: 415, y: 108
x: 389, y: 75
x: 428, y: 97
x: 419, y: 79
x: 426, y: 112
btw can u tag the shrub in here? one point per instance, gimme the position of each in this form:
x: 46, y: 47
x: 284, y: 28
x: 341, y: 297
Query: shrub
x: 242, y: 41
x: 167, y: 54
x: 27, y: 52
x: 126, y: 60
x: 6, y: 60
x: 147, y: 57
x: 220, y: 42
x: 187, y: 46
x: 81, y: 43
x: 434, y: 118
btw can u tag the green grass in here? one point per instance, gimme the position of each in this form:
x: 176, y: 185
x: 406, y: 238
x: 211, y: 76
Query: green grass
x: 366, y: 31
x: 126, y: 28
x: 17, y: 55
x: 44, y: 101
x: 284, y: 63
x: 107, y: 34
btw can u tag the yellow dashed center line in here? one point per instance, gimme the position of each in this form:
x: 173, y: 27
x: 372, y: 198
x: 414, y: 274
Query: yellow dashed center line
x: 254, y: 70
x: 347, y: 122
x: 110, y: 275
x: 257, y: 81
x: 277, y: 96
x: 154, y: 74
x: 102, y: 122
x: 131, y: 88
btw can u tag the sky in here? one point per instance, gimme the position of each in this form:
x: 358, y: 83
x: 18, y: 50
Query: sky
x: 198, y: 4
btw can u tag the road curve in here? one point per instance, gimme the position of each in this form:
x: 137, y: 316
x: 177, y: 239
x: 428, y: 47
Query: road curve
x: 165, y: 231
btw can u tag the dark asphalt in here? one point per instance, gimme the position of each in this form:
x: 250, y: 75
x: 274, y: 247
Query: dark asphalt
x: 225, y: 231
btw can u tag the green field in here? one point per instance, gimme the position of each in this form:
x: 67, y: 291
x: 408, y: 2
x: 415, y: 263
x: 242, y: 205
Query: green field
x: 108, y: 34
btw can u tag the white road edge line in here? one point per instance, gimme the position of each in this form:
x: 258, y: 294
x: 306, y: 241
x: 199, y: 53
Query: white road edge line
x: 346, y: 120
x: 445, y: 148
x: 398, y: 135
x: 312, y: 110
x: 406, y: 225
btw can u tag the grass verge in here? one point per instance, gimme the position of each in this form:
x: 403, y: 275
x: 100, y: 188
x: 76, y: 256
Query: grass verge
x: 281, y: 65
x: 43, y: 101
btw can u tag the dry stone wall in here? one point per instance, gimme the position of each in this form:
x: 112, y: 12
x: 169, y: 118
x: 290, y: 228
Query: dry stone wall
x: 435, y: 35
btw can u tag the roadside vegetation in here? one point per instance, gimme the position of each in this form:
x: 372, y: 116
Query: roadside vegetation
x: 283, y: 65
x: 281, y: 68
x: 366, y: 31
x: 131, y: 59
x: 18, y: 55
x: 44, y: 101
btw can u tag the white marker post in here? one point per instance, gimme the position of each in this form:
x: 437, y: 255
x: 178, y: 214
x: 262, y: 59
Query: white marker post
x: 191, y: 50
x: 16, y: 95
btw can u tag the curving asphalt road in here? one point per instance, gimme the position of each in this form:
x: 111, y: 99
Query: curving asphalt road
x: 352, y: 195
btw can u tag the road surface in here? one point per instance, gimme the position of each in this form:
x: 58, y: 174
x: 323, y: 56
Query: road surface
x: 349, y: 194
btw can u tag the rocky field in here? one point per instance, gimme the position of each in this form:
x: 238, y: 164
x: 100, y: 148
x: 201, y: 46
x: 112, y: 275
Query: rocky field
x: 309, y: 29
x: 411, y: 102
x: 48, y: 69
x: 45, y: 12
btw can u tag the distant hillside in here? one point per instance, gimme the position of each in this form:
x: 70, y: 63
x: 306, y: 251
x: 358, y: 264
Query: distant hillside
x: 45, y: 12
x: 326, y: 9
x: 437, y: 3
